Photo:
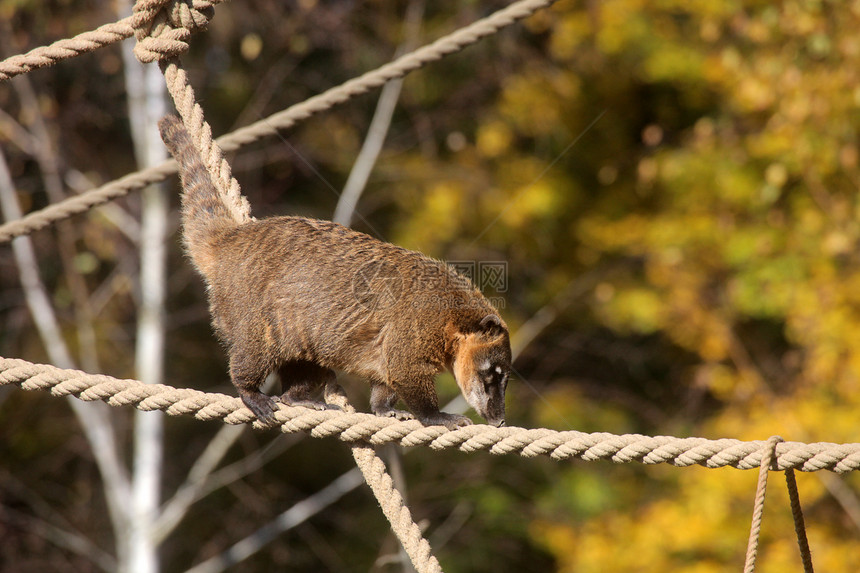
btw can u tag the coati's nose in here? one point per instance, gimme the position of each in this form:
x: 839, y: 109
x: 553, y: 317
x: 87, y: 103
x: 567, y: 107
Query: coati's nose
x: 500, y: 423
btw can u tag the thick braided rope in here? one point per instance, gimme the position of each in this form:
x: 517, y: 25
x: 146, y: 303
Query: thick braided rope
x: 799, y: 525
x: 398, y: 515
x: 66, y: 48
x: 162, y: 37
x: 401, y: 66
x: 201, y: 136
x: 758, y: 506
x: 377, y: 430
x: 390, y: 500
x: 86, y: 201
x: 85, y: 42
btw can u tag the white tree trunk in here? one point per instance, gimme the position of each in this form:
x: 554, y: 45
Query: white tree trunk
x: 147, y: 103
x: 94, y: 418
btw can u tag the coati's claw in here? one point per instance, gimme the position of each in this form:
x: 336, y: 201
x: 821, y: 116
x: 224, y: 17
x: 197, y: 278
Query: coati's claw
x: 401, y: 415
x: 262, y: 406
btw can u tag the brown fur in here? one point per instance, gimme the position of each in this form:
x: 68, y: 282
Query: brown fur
x: 307, y: 297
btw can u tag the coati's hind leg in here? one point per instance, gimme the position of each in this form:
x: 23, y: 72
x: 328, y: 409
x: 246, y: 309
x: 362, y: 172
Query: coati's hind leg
x: 247, y: 376
x: 302, y: 382
x: 382, y: 401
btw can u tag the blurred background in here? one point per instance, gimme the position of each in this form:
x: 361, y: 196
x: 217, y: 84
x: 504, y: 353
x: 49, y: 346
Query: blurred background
x: 673, y: 189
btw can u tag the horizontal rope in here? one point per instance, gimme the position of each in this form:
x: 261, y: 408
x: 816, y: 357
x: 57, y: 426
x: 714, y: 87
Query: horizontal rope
x: 284, y: 119
x: 66, y: 48
x: 85, y: 42
x: 377, y: 430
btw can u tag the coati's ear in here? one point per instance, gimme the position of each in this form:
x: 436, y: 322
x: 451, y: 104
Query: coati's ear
x: 491, y: 324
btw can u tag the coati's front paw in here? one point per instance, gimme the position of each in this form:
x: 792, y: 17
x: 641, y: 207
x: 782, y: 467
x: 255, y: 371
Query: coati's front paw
x: 262, y: 406
x: 450, y: 421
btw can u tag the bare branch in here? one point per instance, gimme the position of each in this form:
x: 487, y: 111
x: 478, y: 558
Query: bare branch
x: 64, y: 538
x: 49, y: 167
x: 16, y: 133
x: 113, y: 212
x: 844, y: 496
x: 379, y: 125
x: 147, y: 103
x: 203, y: 479
x: 289, y: 519
x: 93, y: 417
x: 368, y: 154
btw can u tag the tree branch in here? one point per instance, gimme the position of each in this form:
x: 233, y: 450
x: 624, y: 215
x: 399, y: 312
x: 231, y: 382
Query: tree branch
x: 289, y: 519
x: 93, y: 417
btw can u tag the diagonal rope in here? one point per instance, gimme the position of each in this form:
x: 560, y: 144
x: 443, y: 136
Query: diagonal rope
x: 390, y: 500
x: 377, y: 430
x: 162, y: 32
x: 758, y: 506
x: 395, y: 510
x: 201, y: 135
x: 89, y: 41
x: 285, y: 119
x: 66, y: 48
x: 799, y: 525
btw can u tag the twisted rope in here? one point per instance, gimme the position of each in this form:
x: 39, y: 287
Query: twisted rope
x: 799, y: 525
x: 376, y: 430
x: 285, y: 119
x: 162, y: 31
x: 201, y: 136
x: 94, y: 39
x: 66, y: 48
x: 390, y: 500
x: 398, y: 515
x: 758, y: 505
x: 758, y: 510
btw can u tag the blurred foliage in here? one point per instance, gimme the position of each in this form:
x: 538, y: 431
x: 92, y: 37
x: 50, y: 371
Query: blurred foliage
x: 688, y: 169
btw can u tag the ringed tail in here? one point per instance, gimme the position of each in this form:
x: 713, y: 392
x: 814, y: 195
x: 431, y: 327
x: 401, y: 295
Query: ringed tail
x: 204, y: 215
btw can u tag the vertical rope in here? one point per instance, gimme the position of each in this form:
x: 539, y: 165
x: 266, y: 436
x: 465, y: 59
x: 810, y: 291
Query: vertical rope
x: 799, y: 525
x: 201, y: 135
x: 162, y: 28
x: 767, y: 457
x: 390, y: 500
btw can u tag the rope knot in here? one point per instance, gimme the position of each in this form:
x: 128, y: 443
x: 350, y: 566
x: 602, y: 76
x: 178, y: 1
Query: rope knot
x: 162, y: 27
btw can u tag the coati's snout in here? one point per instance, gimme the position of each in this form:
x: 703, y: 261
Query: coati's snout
x: 481, y: 366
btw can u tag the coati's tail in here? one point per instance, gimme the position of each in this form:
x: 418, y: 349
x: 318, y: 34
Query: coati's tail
x: 204, y: 215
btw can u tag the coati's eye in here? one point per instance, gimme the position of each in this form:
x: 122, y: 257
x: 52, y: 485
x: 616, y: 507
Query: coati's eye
x: 493, y: 376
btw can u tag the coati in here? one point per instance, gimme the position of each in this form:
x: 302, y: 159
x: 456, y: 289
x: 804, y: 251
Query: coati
x: 306, y: 297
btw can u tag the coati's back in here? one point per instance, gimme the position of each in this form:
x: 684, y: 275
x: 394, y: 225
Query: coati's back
x: 204, y: 215
x: 326, y: 293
